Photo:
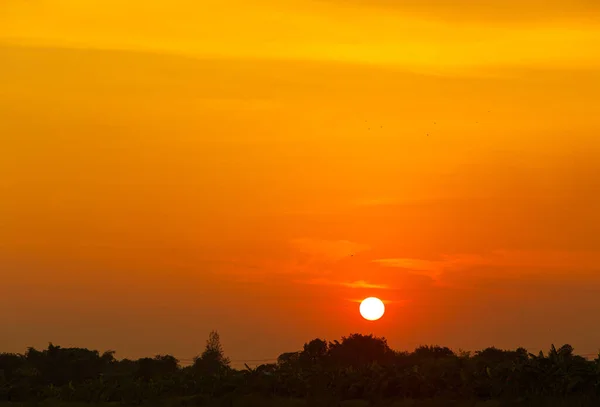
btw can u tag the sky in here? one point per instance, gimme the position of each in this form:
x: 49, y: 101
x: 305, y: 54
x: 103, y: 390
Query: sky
x: 170, y: 168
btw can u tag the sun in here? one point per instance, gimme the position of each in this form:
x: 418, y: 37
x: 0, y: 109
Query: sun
x: 372, y: 308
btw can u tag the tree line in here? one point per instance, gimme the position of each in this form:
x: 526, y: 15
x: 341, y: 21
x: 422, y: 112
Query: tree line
x: 356, y: 367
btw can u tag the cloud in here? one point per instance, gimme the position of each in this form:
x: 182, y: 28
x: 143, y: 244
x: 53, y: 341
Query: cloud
x: 354, y: 284
x: 418, y: 265
x: 364, y: 284
x: 433, y: 268
x: 545, y: 262
x: 327, y: 250
x: 490, y: 10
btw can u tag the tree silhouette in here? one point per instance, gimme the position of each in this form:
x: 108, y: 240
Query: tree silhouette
x: 322, y: 373
x: 314, y: 352
x: 288, y: 358
x: 157, y: 367
x: 433, y: 352
x: 360, y: 350
x: 212, y: 361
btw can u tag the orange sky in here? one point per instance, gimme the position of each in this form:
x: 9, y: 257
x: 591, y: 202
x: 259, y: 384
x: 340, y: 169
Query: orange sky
x: 174, y: 167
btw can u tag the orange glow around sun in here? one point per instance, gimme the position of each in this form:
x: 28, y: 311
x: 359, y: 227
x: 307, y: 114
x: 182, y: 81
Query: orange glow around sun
x: 372, y: 309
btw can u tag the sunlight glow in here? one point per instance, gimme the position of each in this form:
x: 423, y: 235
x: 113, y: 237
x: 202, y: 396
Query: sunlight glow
x: 372, y: 309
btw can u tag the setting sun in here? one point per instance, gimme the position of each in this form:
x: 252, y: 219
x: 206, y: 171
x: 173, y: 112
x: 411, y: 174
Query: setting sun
x: 372, y: 309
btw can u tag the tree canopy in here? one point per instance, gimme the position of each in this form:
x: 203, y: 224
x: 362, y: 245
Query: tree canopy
x: 355, y: 367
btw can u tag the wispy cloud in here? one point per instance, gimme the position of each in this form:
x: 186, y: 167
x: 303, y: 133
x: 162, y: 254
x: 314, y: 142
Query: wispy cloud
x: 433, y: 268
x: 533, y: 261
x: 489, y: 11
x: 327, y: 250
x: 416, y: 265
x: 354, y: 284
x: 434, y: 35
x: 364, y: 284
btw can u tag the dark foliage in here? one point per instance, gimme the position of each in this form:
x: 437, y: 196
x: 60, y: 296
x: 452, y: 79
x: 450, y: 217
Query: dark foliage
x: 357, y: 367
